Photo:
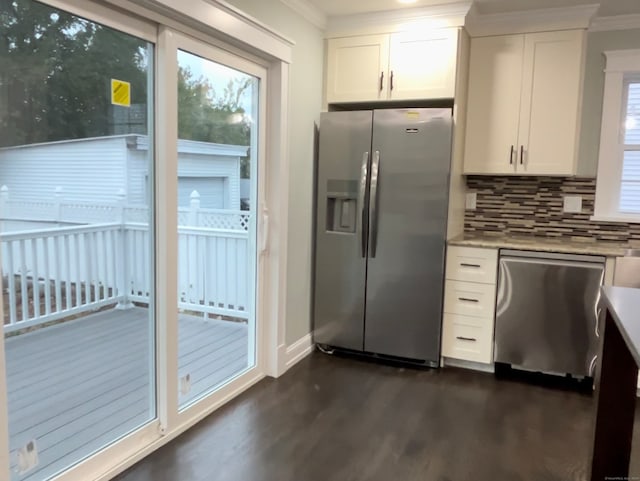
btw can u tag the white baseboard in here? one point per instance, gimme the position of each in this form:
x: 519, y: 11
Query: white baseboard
x: 296, y: 352
x: 476, y: 366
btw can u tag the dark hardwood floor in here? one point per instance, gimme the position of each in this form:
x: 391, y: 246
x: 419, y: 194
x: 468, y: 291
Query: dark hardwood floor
x: 340, y: 419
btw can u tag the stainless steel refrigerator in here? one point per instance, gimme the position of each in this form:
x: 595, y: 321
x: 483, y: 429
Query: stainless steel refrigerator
x: 382, y: 199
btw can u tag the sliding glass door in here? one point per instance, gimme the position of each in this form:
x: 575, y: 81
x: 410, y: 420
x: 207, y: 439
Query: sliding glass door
x: 126, y: 315
x: 76, y: 156
x: 218, y: 98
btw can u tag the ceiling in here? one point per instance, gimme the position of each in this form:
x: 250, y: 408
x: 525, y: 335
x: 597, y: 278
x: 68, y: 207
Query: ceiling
x: 347, y: 7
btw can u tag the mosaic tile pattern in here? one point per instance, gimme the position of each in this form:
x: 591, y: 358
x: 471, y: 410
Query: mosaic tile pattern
x: 532, y: 206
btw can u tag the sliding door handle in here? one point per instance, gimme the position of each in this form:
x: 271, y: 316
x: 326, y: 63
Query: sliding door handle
x: 373, y: 203
x: 362, y: 204
x: 264, y: 231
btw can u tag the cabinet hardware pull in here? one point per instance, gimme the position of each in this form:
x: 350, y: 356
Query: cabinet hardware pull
x: 391, y: 81
x: 511, y: 156
x: 464, y: 264
x: 381, y: 79
x: 521, y: 154
x: 462, y: 338
x: 468, y: 299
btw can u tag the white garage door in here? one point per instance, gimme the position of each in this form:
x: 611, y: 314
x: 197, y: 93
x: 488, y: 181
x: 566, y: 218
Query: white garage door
x: 211, y: 190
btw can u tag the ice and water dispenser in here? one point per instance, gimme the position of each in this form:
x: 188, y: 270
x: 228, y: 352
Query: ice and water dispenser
x: 342, y: 205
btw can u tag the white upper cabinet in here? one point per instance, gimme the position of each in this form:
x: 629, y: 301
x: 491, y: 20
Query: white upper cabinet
x: 493, y: 111
x: 392, y: 67
x: 357, y: 67
x: 524, y: 103
x: 551, y: 97
x: 423, y: 66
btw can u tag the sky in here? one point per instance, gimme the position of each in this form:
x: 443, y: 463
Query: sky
x: 218, y: 74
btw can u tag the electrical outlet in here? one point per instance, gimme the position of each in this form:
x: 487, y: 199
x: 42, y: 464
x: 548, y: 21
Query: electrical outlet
x: 573, y: 203
x: 470, y: 200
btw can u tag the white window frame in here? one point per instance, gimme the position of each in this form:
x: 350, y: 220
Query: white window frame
x: 622, y: 67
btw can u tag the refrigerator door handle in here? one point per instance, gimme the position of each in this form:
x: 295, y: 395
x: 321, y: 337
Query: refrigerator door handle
x: 373, y: 202
x: 362, y: 219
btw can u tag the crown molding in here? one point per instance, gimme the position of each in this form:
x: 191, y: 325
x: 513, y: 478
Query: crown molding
x: 622, y: 61
x: 389, y: 21
x: 617, y: 22
x: 308, y: 11
x: 561, y: 18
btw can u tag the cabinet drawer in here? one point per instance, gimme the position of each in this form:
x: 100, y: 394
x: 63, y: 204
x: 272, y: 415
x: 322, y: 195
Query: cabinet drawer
x: 463, y: 339
x: 469, y: 299
x: 472, y: 264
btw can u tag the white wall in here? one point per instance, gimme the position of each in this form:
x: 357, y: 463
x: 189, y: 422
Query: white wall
x: 305, y: 103
x: 597, y: 43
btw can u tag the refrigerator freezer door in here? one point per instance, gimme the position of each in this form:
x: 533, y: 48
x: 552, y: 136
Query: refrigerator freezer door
x: 410, y: 179
x: 341, y: 234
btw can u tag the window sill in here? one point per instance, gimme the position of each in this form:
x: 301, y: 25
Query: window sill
x: 618, y: 219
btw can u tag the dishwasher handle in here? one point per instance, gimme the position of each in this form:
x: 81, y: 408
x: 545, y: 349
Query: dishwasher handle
x: 553, y: 262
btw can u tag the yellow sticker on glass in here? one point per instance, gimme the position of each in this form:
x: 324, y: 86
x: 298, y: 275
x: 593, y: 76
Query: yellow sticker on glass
x: 120, y: 93
x: 413, y: 115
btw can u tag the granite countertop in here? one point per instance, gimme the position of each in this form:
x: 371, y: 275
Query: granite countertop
x: 543, y: 244
x: 624, y: 305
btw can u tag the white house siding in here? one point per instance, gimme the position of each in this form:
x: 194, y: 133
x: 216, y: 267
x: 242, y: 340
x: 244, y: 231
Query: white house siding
x: 95, y: 170
x: 211, y: 189
x: 137, y: 176
x: 88, y: 170
x: 192, y: 165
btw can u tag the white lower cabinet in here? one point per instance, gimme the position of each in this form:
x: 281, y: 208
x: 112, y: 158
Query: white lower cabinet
x: 469, y: 299
x: 463, y: 337
x: 469, y: 307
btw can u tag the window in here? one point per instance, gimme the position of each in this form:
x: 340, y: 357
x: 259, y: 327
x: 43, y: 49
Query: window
x: 618, y: 181
x: 630, y: 180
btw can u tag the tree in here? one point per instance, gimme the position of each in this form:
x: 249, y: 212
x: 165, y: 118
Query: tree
x: 55, y: 74
x: 205, y: 116
x: 56, y: 71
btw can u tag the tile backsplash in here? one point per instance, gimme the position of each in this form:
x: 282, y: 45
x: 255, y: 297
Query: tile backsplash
x: 533, y: 206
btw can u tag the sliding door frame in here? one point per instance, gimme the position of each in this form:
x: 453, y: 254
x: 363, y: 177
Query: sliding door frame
x: 4, y: 408
x: 170, y: 43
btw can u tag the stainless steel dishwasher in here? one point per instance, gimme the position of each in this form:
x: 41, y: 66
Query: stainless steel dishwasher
x: 547, y: 311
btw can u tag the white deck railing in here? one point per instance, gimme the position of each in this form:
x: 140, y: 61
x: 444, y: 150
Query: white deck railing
x: 61, y: 210
x: 50, y: 274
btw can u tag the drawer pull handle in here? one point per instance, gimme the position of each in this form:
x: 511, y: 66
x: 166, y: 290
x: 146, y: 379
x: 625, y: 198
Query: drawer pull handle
x: 462, y: 338
x: 467, y: 299
x: 464, y: 264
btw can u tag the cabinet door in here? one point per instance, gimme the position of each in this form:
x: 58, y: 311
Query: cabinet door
x: 551, y: 91
x: 423, y: 66
x: 495, y: 77
x: 357, y: 68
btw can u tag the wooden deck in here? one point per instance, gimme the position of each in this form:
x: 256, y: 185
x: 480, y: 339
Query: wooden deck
x: 77, y: 387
